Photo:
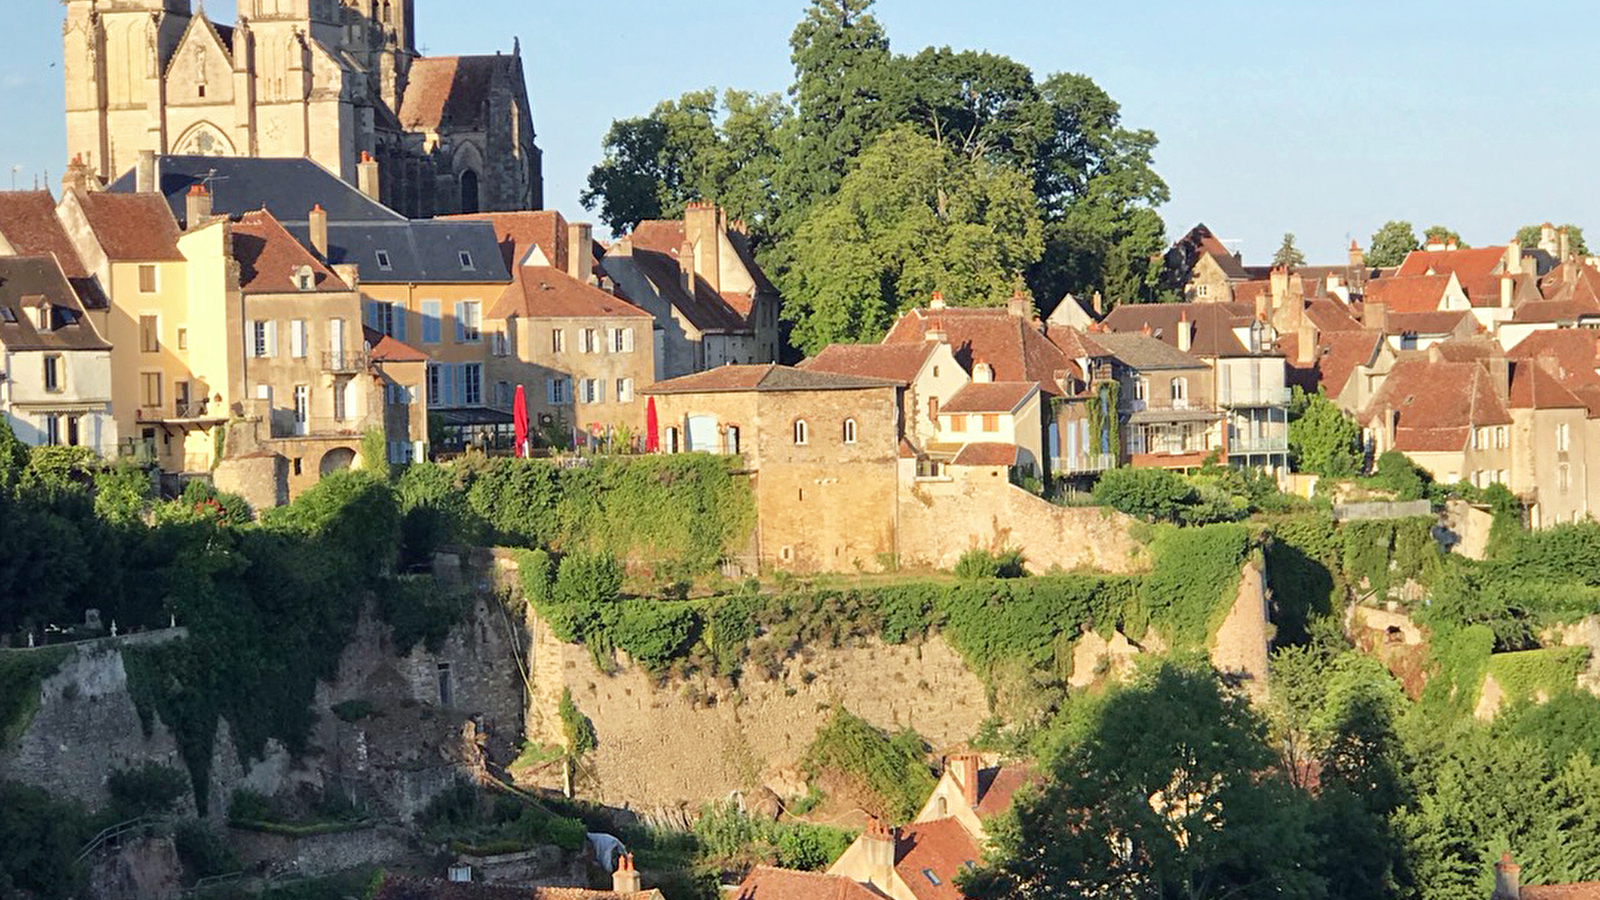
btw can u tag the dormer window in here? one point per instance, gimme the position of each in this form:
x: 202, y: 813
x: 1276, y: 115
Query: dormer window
x: 466, y: 260
x: 383, y: 261
x: 8, y: 315
x: 304, y: 279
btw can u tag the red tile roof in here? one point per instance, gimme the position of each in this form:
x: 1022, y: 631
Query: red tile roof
x: 269, y: 257
x: 986, y: 454
x: 28, y: 222
x: 1581, y: 890
x: 667, y: 236
x: 1329, y: 314
x: 942, y: 848
x: 547, y: 292
x: 989, y: 397
x: 769, y: 377
x: 1016, y: 350
x: 386, y: 349
x: 705, y: 309
x: 395, y: 887
x: 517, y: 232
x: 1413, y: 294
x: 899, y: 363
x: 1445, y: 322
x: 769, y: 883
x: 1533, y: 387
x: 1437, y: 403
x: 1213, y: 324
x: 998, y: 786
x: 451, y: 90
x: 133, y: 227
x: 1340, y: 352
x: 1472, y: 262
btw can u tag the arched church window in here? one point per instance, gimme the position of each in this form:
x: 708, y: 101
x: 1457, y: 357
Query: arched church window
x: 469, y: 191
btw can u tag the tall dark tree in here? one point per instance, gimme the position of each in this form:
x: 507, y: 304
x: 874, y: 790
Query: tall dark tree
x: 1288, y: 255
x: 980, y: 105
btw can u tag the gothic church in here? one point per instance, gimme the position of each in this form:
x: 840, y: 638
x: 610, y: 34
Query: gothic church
x: 331, y: 80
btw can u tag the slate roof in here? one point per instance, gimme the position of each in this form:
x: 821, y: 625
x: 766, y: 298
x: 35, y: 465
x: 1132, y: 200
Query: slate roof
x: 1144, y: 352
x: 770, y: 883
x: 34, y: 281
x: 384, y: 348
x: 132, y: 227
x: 899, y: 363
x: 28, y: 222
x: 289, y: 187
x: 548, y: 292
x: 986, y: 454
x: 1016, y: 350
x: 990, y: 397
x: 269, y: 257
x: 768, y: 377
x: 518, y: 232
x: 941, y: 847
x: 424, y: 251
x: 451, y: 91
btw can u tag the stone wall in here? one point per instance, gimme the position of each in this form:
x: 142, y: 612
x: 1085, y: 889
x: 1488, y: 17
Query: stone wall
x: 942, y: 518
x: 1242, y: 644
x: 312, y: 856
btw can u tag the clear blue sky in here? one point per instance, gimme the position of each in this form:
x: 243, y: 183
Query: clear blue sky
x: 1322, y: 119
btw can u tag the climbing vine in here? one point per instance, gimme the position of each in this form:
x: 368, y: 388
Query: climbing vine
x: 1102, y: 412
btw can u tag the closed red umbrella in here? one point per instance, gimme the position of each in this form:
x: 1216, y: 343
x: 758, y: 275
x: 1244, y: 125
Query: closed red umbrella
x: 652, y: 443
x: 519, y: 421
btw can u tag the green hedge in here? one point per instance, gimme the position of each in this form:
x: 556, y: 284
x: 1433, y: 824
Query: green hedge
x: 1538, y: 674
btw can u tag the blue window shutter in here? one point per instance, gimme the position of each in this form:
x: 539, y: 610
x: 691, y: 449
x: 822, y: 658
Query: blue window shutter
x: 400, y: 316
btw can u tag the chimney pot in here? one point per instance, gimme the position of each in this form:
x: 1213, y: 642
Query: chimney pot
x: 937, y: 301
x: 625, y: 880
x: 1507, y: 879
x: 317, y: 227
x: 197, y: 207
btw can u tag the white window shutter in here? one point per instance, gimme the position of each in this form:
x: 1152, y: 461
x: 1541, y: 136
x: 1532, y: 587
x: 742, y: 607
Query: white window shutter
x: 627, y: 340
x: 272, y: 337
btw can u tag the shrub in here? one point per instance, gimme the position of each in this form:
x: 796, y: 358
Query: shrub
x: 893, y: 768
x: 147, y: 789
x: 575, y: 726
x: 1394, y: 471
x: 981, y: 563
x: 1150, y: 494
x: 653, y: 632
x: 419, y: 609
x: 204, y: 852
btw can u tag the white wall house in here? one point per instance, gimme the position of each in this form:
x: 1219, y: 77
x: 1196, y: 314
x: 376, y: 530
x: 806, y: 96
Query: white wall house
x: 56, y: 368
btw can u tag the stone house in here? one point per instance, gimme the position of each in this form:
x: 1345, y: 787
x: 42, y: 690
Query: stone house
x: 927, y: 372
x: 401, y: 370
x: 995, y: 414
x: 712, y: 304
x: 1451, y: 417
x: 822, y: 451
x: 55, y: 388
x: 336, y: 81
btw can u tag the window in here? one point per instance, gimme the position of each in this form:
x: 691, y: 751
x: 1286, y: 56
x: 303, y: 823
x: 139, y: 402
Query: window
x: 150, y: 389
x: 467, y: 322
x: 558, y: 341
x: 624, y: 390
x: 991, y: 423
x: 303, y: 279
x: 501, y: 345
x: 958, y: 424
x: 147, y: 279
x: 8, y: 315
x: 1562, y: 438
x: 472, y: 383
x: 338, y: 403
x: 502, y: 393
x: 1203, y: 290
x: 1500, y: 437
x: 591, y: 342
x: 1563, y: 477
x: 670, y: 439
x: 592, y: 390
x: 72, y: 430
x: 800, y: 431
x: 1480, y: 438
x: 52, y: 430
x: 932, y: 878
x: 302, y: 408
x: 466, y: 260
x: 149, y: 334
x: 622, y: 340
x: 430, y: 321
x: 263, y: 338
x: 52, y: 373
x: 435, y: 397
x: 382, y: 317
x: 943, y: 806
x: 558, y: 390
x: 730, y: 440
x: 383, y: 261
x: 849, y: 431
x: 1179, y: 388
x: 933, y: 409
x: 1141, y: 389
x: 297, y: 338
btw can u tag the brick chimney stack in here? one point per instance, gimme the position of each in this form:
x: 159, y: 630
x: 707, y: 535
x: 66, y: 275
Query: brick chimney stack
x: 197, y: 207
x: 625, y: 880
x: 937, y: 301
x: 580, y: 251
x: 1020, y: 305
x: 703, y: 227
x: 76, y: 177
x: 879, y: 841
x: 1375, y: 314
x: 1563, y: 243
x: 367, y: 175
x: 935, y: 331
x: 1098, y: 303
x: 966, y: 772
x: 317, y: 229
x: 1507, y: 879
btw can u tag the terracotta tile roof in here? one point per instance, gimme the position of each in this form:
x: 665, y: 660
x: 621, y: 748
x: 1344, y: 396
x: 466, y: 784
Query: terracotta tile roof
x: 386, y: 349
x: 986, y: 454
x: 451, y: 91
x: 1016, y: 350
x: 998, y: 785
x: 1428, y: 322
x: 1571, y: 291
x: 1072, y: 343
x: 1472, y: 262
x: 28, y: 222
x: 133, y: 227
x: 899, y: 363
x: 1340, y: 352
x: 1437, y: 403
x: 269, y: 257
x: 395, y: 887
x: 517, y: 232
x: 1580, y: 890
x: 990, y: 397
x: 941, y: 848
x: 1248, y: 291
x: 546, y: 292
x: 769, y: 377
x: 1533, y: 387
x: 1411, y: 294
x: 1576, y: 352
x: 1213, y: 324
x: 1329, y: 314
x: 705, y: 309
x: 667, y: 236
x: 769, y: 883
x: 37, y: 281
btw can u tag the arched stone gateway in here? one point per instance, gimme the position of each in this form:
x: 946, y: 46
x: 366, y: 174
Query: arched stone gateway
x: 336, y: 459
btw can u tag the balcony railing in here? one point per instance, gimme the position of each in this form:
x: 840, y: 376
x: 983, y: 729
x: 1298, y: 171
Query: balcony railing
x: 1239, y: 446
x: 344, y: 362
x: 1253, y: 396
x: 1082, y: 462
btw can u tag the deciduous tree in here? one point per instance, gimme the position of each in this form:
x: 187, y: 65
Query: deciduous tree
x: 1323, y: 440
x: 1528, y: 237
x: 1390, y: 244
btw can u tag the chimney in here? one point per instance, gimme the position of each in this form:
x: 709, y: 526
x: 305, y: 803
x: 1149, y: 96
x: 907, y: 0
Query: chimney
x: 1507, y: 290
x: 350, y: 274
x: 935, y: 331
x: 1099, y: 304
x: 625, y: 880
x: 1333, y: 282
x: 367, y: 175
x: 1280, y: 285
x: 1264, y: 302
x: 937, y: 301
x: 144, y: 173
x: 197, y: 207
x: 1358, y: 260
x: 1297, y: 287
x: 1507, y: 879
x: 982, y: 372
x: 1375, y: 314
x: 1020, y: 305
x: 702, y: 228
x: 686, y: 267
x: 317, y: 226
x: 1499, y: 375
x: 1547, y: 239
x: 966, y: 772
x: 76, y: 177
x: 1514, y: 257
x: 622, y: 246
x: 879, y: 843
x: 580, y: 251
x: 1185, y: 332
x: 1563, y: 243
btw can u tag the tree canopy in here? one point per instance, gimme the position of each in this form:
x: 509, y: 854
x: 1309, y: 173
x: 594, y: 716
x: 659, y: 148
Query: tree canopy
x: 1288, y: 255
x: 1322, y: 439
x: 1390, y: 244
x: 1438, y: 234
x: 1528, y: 238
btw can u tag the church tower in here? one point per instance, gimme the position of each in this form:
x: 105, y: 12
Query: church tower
x: 115, y: 52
